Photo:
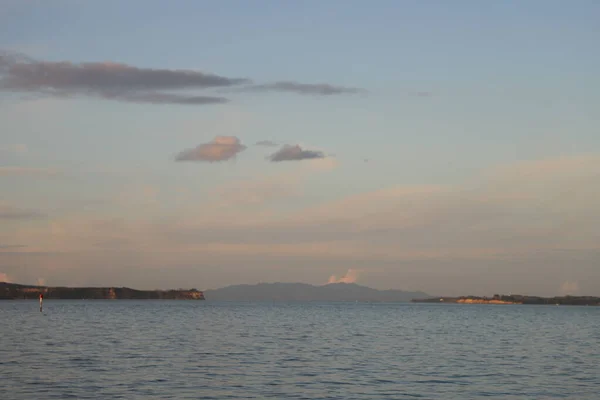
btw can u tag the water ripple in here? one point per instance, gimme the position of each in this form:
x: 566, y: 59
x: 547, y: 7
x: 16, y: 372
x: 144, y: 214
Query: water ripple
x: 211, y: 350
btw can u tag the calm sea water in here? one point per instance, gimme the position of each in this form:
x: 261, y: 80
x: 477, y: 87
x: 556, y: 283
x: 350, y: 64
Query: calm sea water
x: 211, y: 350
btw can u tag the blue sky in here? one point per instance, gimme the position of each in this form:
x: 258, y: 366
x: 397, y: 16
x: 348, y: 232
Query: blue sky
x: 473, y: 120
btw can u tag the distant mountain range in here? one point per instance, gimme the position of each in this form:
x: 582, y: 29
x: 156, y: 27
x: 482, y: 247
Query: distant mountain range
x: 306, y: 292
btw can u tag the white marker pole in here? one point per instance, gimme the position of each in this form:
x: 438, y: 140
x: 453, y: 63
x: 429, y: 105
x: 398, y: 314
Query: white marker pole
x: 41, y: 301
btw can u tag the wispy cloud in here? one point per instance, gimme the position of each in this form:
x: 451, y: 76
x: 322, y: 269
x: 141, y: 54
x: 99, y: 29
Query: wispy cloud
x: 294, y: 153
x: 13, y: 213
x: 162, y: 98
x: 266, y: 143
x: 221, y: 148
x: 123, y: 82
x: 12, y: 246
x: 315, y: 89
x: 109, y: 80
x: 26, y: 171
x: 426, y: 230
x: 259, y: 192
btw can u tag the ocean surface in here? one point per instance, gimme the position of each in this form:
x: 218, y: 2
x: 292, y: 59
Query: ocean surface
x: 219, y: 350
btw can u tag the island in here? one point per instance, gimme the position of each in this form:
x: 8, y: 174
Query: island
x: 515, y: 299
x: 13, y: 291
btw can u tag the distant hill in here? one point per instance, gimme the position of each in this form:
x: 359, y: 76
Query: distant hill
x: 306, y: 292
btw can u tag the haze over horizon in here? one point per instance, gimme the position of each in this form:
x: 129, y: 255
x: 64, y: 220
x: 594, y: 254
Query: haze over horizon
x: 452, y: 148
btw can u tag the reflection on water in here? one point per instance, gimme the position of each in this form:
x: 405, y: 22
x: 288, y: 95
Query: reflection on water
x: 189, y: 349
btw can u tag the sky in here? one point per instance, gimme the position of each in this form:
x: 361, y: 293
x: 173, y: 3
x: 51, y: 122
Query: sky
x: 449, y: 147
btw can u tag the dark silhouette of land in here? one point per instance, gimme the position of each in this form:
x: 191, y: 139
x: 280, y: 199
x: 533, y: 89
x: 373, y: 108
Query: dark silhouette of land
x: 306, y: 292
x: 13, y: 291
x: 516, y: 299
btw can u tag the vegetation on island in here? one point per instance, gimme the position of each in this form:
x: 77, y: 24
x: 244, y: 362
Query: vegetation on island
x: 13, y: 291
x: 516, y: 299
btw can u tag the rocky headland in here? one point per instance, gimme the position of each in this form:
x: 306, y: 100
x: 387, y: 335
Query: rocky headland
x: 13, y: 291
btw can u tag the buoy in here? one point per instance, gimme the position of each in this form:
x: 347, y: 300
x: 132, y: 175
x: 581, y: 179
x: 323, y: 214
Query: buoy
x: 41, y: 301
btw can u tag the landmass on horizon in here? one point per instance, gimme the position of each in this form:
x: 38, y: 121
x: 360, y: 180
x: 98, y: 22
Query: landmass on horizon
x: 338, y: 291
x: 257, y: 292
x: 333, y: 292
x: 14, y: 291
x: 515, y: 299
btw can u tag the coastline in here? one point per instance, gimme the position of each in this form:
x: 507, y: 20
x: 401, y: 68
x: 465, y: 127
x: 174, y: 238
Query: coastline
x: 515, y: 299
x: 14, y: 291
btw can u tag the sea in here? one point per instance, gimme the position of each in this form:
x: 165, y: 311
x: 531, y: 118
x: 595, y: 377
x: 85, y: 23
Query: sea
x: 127, y: 349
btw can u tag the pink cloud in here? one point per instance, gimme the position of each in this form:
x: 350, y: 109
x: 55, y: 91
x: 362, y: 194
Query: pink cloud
x: 569, y: 288
x: 351, y: 276
x: 221, y: 148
